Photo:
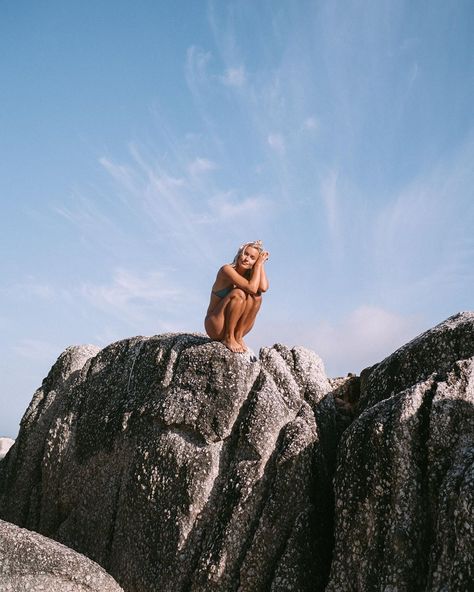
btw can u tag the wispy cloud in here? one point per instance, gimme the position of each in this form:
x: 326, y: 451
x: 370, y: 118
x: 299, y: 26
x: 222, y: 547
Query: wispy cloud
x: 364, y: 337
x: 225, y: 207
x: 201, y: 165
x: 197, y: 61
x: 361, y: 338
x: 132, y: 297
x: 234, y: 77
x: 427, y: 222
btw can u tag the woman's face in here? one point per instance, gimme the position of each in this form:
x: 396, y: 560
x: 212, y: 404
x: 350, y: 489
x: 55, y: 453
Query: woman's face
x: 248, y: 257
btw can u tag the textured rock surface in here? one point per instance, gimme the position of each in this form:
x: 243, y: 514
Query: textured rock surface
x: 5, y: 445
x: 30, y: 562
x: 178, y: 465
x: 405, y: 477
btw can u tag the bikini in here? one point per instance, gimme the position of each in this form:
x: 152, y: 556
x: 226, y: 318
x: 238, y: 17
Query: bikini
x: 223, y: 293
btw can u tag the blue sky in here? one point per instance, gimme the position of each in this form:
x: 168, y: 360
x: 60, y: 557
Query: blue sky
x: 142, y: 142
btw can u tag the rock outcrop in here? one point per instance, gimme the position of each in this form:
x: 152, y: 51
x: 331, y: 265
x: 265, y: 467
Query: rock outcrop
x: 177, y: 465
x: 30, y: 562
x: 405, y: 477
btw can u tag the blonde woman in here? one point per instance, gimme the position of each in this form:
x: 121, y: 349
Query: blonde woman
x: 236, y: 296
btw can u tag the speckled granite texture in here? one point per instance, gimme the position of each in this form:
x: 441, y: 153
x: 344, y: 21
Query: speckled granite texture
x: 30, y: 562
x: 405, y: 477
x: 180, y: 466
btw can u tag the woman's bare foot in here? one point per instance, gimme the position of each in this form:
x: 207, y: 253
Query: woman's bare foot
x: 233, y: 345
x: 241, y: 342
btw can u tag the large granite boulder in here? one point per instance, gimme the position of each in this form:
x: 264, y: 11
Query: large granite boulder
x: 405, y: 477
x: 178, y: 465
x: 30, y: 562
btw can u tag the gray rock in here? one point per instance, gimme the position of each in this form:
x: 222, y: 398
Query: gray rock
x: 30, y: 562
x: 436, y: 350
x: 5, y: 445
x: 178, y: 465
x: 405, y: 479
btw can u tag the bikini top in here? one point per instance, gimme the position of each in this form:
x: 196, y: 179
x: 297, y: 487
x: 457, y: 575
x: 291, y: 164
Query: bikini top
x: 222, y: 293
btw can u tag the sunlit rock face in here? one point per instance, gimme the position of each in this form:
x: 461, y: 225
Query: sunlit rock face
x: 178, y: 465
x: 32, y: 562
x: 5, y: 445
x: 405, y: 476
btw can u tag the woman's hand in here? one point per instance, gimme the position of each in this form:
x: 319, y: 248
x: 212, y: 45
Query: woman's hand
x: 264, y: 256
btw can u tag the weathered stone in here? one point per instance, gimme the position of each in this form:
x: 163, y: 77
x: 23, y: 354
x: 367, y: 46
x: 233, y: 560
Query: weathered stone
x: 405, y: 479
x: 436, y: 350
x: 30, y: 562
x: 178, y: 465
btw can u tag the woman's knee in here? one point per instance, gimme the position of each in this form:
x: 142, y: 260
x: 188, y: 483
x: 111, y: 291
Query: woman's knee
x: 238, y: 294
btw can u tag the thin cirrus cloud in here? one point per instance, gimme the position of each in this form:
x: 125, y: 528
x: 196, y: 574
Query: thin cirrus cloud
x: 201, y: 165
x: 235, y: 77
x: 424, y: 223
x: 224, y: 207
x: 197, y: 61
x: 133, y: 297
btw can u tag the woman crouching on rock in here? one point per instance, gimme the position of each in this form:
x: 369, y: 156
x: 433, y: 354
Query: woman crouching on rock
x: 236, y: 297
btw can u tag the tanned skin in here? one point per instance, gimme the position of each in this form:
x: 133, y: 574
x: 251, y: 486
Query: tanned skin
x: 228, y: 319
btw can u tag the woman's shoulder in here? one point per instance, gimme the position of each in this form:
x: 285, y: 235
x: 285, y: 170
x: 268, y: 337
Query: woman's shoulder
x: 225, y: 268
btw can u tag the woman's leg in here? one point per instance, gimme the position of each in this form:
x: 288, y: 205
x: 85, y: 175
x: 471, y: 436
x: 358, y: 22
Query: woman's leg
x: 247, y: 320
x: 220, y: 324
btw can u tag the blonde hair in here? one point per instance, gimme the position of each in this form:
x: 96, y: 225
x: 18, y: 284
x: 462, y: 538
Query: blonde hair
x: 258, y: 244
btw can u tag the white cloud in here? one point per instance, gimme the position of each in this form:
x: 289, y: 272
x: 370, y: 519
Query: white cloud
x: 234, y: 77
x: 277, y: 143
x: 363, y: 337
x: 201, y: 165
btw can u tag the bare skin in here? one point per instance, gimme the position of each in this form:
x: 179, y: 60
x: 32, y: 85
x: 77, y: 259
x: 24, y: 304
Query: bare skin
x: 229, y: 318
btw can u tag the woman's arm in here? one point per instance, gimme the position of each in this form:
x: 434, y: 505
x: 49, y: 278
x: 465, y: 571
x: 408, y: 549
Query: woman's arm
x: 251, y: 286
x: 264, y: 285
